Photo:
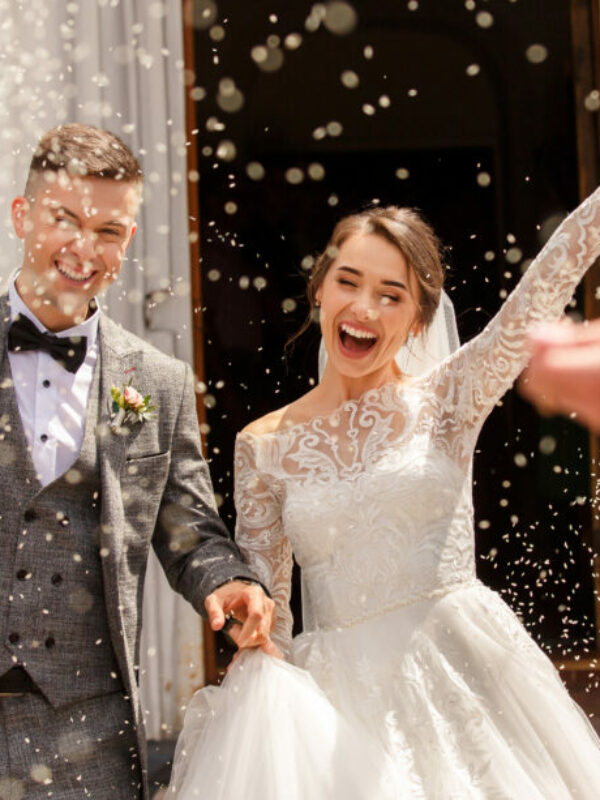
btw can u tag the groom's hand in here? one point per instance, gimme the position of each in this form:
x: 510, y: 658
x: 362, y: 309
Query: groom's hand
x: 249, y: 604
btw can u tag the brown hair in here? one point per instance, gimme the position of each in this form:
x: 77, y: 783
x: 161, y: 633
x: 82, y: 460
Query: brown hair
x: 84, y: 151
x: 406, y: 230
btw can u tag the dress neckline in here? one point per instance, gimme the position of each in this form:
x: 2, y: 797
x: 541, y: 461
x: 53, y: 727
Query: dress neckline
x: 364, y: 399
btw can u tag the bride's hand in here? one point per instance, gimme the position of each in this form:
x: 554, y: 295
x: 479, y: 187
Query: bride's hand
x: 248, y: 605
x: 271, y: 649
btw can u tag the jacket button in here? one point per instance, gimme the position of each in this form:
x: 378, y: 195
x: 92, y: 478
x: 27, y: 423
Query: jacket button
x: 29, y: 515
x: 23, y: 574
x: 50, y: 642
x: 13, y: 638
x: 56, y: 579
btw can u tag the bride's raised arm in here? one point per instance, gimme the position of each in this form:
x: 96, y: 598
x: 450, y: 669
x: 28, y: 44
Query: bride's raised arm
x: 259, y: 535
x: 478, y: 374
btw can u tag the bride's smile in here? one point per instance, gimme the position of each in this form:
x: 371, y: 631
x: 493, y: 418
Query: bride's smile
x: 355, y: 341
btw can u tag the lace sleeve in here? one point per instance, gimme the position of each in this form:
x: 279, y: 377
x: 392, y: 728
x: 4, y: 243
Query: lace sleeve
x: 259, y: 535
x: 478, y: 374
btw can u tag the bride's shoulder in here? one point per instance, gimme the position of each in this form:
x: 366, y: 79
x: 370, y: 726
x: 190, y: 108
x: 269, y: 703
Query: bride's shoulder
x: 284, y: 418
x: 271, y: 422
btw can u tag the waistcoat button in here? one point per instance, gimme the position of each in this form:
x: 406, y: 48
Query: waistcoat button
x: 56, y: 579
x: 50, y: 642
x: 23, y: 574
x: 65, y: 521
x: 13, y: 638
x: 29, y: 515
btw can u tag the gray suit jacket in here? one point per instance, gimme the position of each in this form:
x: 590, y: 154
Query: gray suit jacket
x: 156, y: 490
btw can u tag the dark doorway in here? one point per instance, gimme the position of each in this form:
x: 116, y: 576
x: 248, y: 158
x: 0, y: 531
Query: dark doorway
x: 462, y: 109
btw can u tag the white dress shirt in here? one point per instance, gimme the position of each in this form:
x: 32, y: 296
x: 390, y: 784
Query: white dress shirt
x: 52, y: 401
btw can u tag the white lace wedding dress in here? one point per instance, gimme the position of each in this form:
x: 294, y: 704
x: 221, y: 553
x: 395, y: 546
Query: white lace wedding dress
x: 442, y: 688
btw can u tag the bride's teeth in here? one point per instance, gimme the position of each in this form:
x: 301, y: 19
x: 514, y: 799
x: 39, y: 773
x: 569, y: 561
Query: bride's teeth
x: 356, y: 333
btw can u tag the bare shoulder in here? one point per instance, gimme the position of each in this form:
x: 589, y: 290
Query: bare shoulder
x: 271, y: 422
x: 298, y: 412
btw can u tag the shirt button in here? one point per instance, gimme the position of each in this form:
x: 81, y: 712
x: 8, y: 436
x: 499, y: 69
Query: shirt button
x: 23, y: 574
x: 56, y: 579
x: 13, y: 638
x: 50, y: 642
x: 45, y: 383
x: 44, y: 437
x: 29, y: 515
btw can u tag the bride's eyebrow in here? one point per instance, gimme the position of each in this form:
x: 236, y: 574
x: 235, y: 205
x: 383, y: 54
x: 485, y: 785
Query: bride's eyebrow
x: 358, y: 273
x: 397, y: 284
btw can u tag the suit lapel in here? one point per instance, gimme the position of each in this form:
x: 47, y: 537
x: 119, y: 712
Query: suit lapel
x: 117, y: 361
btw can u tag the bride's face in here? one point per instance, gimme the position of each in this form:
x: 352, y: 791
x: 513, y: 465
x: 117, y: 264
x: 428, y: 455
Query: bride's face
x: 368, y: 302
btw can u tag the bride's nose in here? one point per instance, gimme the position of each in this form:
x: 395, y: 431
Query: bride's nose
x: 363, y: 309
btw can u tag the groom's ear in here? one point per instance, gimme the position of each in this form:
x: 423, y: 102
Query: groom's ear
x: 18, y: 213
x: 131, y: 235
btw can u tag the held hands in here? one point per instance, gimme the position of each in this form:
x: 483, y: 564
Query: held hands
x: 563, y: 376
x: 249, y: 612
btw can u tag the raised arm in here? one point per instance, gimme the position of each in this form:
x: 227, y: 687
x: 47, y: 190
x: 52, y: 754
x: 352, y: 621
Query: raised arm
x: 259, y: 535
x: 478, y: 374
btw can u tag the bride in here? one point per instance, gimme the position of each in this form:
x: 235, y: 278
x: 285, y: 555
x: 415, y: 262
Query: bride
x: 411, y: 679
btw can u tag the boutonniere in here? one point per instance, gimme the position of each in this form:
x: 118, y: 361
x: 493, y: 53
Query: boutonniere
x: 128, y: 405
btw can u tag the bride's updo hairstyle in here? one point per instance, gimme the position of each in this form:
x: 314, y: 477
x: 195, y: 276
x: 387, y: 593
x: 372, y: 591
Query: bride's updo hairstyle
x: 406, y: 230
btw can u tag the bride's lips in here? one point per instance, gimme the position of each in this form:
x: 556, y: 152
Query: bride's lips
x: 355, y: 341
x: 72, y: 273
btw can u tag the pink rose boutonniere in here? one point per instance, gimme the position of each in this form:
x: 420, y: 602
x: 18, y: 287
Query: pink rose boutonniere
x: 128, y: 405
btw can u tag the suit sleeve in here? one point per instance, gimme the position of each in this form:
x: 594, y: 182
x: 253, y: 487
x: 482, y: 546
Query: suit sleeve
x: 190, y: 539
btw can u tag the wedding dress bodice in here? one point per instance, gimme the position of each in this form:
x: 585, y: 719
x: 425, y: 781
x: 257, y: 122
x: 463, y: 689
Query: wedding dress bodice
x: 375, y: 498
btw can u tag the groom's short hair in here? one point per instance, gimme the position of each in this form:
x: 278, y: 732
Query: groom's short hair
x: 82, y: 151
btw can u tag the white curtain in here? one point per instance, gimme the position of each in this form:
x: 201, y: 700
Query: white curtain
x: 117, y: 64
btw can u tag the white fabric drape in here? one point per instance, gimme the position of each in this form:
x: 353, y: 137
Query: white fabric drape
x: 119, y: 65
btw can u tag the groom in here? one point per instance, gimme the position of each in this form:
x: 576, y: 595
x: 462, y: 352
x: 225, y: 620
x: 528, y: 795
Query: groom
x: 88, y: 485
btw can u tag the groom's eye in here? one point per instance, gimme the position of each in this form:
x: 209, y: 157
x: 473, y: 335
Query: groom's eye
x: 64, y: 222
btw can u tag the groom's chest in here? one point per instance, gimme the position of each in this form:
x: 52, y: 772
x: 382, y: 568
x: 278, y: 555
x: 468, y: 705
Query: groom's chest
x: 54, y: 406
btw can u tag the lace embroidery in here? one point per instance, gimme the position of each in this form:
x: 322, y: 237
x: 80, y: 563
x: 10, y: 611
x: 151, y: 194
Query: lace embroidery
x: 375, y: 499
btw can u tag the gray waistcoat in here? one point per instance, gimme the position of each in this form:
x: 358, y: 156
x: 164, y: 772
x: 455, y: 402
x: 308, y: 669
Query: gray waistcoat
x: 54, y: 623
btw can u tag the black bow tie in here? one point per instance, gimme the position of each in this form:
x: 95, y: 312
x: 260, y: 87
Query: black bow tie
x: 69, y: 351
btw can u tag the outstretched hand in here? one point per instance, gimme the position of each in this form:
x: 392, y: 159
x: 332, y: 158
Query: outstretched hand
x: 249, y: 604
x: 563, y: 376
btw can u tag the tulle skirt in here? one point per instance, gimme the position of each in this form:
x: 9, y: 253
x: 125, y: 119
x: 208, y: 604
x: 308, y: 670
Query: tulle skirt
x: 445, y: 699
x: 269, y: 733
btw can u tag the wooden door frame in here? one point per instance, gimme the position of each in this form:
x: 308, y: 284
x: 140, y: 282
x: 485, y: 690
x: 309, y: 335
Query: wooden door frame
x: 585, y: 32
x: 211, y: 674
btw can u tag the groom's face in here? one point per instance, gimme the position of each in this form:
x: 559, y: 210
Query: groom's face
x: 75, y: 233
